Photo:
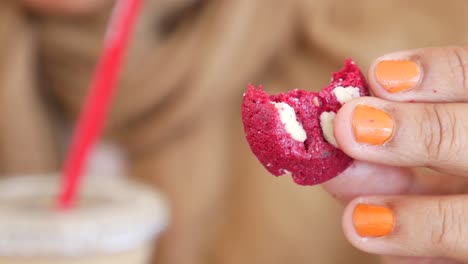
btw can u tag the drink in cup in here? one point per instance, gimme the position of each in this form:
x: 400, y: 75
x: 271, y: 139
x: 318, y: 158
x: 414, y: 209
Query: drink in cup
x: 114, y: 221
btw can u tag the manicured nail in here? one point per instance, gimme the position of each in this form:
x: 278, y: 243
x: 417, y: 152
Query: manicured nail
x: 371, y: 125
x: 373, y: 220
x: 396, y: 76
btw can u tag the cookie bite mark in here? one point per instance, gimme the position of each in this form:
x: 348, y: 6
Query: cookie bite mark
x: 346, y: 84
x: 269, y: 140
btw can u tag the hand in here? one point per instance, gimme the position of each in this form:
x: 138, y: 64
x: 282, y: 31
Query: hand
x: 419, y: 119
x: 68, y: 7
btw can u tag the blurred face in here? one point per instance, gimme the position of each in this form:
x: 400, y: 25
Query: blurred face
x: 164, y: 58
x: 68, y: 7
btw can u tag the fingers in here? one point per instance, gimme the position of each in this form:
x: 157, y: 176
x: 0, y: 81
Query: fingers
x: 409, y: 226
x: 423, y: 75
x: 364, y: 178
x: 403, y: 134
x: 408, y: 135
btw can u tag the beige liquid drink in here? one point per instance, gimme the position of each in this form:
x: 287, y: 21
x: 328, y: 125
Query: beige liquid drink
x: 115, y: 222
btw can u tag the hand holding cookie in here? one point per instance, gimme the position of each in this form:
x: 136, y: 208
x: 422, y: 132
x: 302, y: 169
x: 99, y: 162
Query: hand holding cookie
x: 419, y: 119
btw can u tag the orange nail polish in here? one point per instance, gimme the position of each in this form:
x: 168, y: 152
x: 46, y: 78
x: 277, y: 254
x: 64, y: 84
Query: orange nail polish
x: 371, y: 125
x: 373, y: 220
x: 396, y: 76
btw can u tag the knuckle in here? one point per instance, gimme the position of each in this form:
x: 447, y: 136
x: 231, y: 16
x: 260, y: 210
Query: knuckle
x: 457, y: 59
x: 448, y: 230
x: 439, y: 130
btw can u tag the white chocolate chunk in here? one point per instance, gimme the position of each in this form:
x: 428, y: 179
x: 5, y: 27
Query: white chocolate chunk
x: 327, y: 120
x: 289, y: 121
x: 345, y: 94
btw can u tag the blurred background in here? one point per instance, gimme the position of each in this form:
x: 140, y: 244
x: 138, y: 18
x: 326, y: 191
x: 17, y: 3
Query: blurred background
x: 175, y: 122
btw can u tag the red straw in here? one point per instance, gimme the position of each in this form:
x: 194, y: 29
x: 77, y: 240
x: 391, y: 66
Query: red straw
x: 96, y: 106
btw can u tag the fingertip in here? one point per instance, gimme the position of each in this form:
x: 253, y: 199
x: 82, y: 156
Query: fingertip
x: 349, y: 229
x: 362, y: 126
x: 374, y: 86
x: 367, y: 222
x: 393, y: 76
x: 345, y: 134
x: 372, y: 80
x: 347, y: 221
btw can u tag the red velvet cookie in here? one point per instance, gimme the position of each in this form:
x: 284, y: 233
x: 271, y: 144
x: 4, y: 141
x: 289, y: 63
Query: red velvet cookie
x: 293, y: 132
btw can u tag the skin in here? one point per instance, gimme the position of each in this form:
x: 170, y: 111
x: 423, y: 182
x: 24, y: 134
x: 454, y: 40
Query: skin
x: 66, y: 7
x: 431, y: 208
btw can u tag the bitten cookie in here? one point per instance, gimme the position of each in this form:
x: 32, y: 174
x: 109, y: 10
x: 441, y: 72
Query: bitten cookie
x: 293, y: 132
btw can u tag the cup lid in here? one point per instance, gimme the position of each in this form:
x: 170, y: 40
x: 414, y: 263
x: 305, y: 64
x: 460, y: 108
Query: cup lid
x: 112, y: 216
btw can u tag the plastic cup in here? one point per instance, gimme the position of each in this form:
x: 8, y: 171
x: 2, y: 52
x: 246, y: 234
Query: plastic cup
x: 115, y: 221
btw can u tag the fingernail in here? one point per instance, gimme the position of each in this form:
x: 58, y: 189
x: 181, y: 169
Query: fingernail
x: 397, y: 76
x: 373, y: 220
x: 371, y: 125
